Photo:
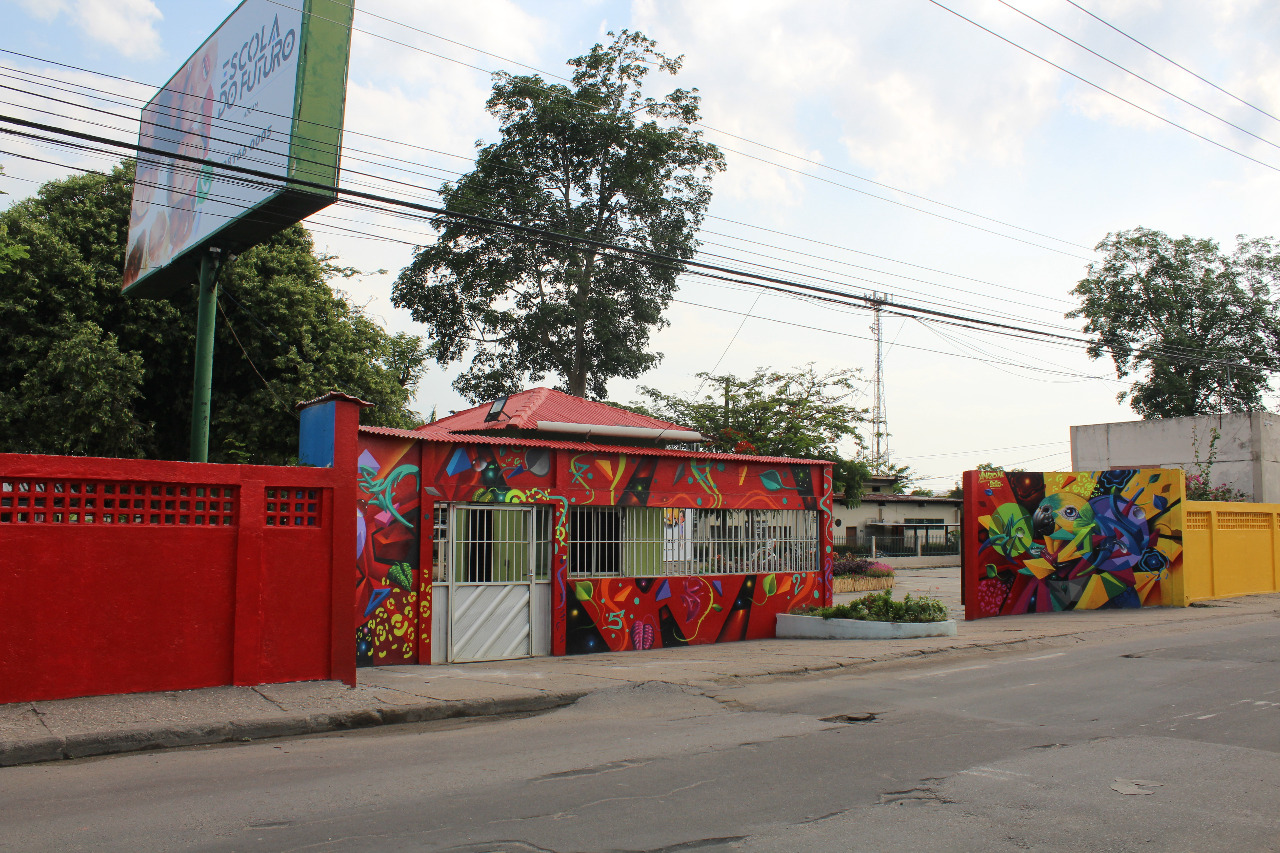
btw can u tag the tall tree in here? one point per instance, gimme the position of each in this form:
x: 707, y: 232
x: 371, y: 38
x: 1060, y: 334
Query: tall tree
x: 86, y: 370
x: 802, y: 413
x: 1198, y: 329
x: 573, y: 160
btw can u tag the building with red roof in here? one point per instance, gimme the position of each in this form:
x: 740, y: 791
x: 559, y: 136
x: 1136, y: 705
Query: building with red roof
x: 543, y: 523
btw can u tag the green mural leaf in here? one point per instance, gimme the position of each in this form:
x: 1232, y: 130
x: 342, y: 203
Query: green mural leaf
x: 770, y: 584
x: 583, y: 590
x: 401, y: 574
x: 717, y: 608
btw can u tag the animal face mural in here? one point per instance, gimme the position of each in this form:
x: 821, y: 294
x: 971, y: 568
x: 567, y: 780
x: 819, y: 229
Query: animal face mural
x: 617, y: 614
x: 1037, y: 543
x: 388, y: 525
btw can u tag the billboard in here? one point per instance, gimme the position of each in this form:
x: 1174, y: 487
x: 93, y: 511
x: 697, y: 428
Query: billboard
x: 265, y: 92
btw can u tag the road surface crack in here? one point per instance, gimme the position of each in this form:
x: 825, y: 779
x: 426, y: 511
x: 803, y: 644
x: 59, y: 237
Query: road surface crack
x: 40, y: 717
x: 282, y: 708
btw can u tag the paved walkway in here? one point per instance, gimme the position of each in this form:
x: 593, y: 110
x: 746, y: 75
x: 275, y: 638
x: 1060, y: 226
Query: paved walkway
x: 75, y: 728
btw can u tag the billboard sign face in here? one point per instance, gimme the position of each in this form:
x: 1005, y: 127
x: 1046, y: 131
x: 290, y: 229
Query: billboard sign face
x: 264, y: 92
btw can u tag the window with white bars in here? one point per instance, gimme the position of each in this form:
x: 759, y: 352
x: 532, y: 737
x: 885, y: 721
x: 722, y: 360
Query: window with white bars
x: 648, y: 541
x: 500, y: 544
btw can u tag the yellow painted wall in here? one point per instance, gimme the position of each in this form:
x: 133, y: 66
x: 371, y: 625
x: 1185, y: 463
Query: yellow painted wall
x: 1229, y: 549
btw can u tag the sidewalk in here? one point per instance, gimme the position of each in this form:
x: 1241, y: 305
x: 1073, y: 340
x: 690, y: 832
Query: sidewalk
x: 101, y: 725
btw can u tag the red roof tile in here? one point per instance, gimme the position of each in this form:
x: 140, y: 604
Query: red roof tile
x: 430, y: 433
x: 525, y: 409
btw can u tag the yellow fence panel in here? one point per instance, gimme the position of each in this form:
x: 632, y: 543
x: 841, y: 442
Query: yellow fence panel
x: 1229, y: 549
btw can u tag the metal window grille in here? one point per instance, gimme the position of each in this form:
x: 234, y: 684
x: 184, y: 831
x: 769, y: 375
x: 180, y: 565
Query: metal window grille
x: 647, y: 541
x: 501, y: 544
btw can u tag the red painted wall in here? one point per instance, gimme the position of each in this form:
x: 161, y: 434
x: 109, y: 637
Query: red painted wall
x: 121, y: 576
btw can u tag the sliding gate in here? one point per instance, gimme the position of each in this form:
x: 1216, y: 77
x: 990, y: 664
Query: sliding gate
x: 499, y: 573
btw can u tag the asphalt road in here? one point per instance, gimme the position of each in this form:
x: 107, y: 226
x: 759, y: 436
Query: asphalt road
x: 1164, y: 744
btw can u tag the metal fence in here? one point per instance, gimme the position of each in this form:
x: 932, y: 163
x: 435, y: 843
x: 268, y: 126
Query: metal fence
x: 904, y: 540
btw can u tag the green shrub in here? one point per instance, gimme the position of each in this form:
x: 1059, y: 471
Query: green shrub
x: 880, y: 607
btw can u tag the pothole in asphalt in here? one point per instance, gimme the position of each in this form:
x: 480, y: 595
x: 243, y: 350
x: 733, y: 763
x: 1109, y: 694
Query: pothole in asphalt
x: 921, y: 795
x: 864, y: 717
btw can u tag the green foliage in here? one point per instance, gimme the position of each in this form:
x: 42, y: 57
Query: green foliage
x: 880, y: 607
x: 574, y: 160
x: 83, y: 369
x: 1197, y: 329
x: 801, y: 413
x: 79, y: 398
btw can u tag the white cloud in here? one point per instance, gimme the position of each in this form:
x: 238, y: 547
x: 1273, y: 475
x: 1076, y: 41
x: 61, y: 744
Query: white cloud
x: 45, y: 10
x: 126, y: 25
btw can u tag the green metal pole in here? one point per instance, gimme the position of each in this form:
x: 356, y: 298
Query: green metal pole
x: 208, y: 312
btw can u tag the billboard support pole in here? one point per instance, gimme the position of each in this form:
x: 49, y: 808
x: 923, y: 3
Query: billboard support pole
x: 205, y: 321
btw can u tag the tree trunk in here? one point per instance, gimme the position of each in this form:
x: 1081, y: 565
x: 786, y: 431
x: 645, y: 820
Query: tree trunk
x: 577, y: 378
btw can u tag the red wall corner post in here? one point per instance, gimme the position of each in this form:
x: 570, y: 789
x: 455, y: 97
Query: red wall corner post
x: 328, y: 438
x: 246, y: 648
x: 345, y: 454
x: 969, y: 545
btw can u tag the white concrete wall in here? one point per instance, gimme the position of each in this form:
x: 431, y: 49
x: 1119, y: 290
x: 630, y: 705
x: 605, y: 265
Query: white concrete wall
x: 1248, y: 451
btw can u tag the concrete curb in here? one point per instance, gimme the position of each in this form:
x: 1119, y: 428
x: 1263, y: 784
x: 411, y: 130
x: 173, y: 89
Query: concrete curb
x: 90, y: 744
x: 795, y: 626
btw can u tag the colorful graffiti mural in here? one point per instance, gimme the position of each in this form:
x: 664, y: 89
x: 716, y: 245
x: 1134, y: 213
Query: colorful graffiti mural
x: 388, y: 527
x: 617, y: 614
x: 400, y: 477
x: 1043, y: 542
x: 494, y: 473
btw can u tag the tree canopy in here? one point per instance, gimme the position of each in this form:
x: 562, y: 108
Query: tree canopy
x: 575, y: 160
x: 86, y: 370
x: 801, y: 413
x: 1197, y: 328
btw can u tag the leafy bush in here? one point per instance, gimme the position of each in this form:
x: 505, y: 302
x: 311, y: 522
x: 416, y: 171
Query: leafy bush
x: 880, y: 607
x: 1200, y: 489
x: 861, y: 567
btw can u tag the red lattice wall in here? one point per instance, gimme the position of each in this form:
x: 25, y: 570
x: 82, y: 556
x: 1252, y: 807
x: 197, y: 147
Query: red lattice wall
x: 124, y: 576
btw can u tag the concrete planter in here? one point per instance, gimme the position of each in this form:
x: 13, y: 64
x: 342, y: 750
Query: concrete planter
x: 856, y: 583
x: 791, y: 626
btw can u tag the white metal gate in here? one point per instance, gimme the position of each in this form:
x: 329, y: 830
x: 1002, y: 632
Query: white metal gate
x: 496, y: 557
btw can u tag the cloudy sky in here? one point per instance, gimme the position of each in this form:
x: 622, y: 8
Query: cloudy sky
x: 873, y: 145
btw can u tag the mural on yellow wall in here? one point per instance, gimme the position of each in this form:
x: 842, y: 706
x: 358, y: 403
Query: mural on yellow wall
x: 1041, y: 542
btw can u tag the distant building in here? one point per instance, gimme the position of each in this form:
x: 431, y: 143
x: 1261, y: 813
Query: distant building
x: 1247, y: 452
x: 898, y: 523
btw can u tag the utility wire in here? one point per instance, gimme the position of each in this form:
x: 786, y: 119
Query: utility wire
x: 1133, y: 73
x: 405, y: 184
x: 362, y: 199
x: 1173, y: 62
x: 1106, y: 91
x: 777, y: 165
x: 704, y: 126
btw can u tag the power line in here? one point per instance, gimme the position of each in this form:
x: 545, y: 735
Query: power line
x: 359, y: 198
x: 1172, y: 62
x: 405, y: 184
x: 1106, y: 91
x: 1129, y: 71
x: 762, y: 145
